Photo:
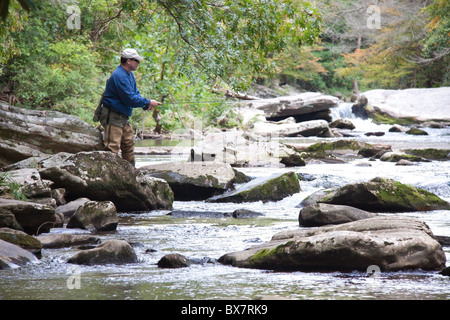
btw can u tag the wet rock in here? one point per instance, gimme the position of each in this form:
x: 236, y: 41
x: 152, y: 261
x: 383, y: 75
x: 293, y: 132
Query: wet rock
x: 294, y: 160
x: 417, y: 132
x: 108, y: 252
x: 391, y: 243
x: 323, y: 214
x: 21, y: 239
x: 99, y: 215
x: 395, y: 157
x: 245, y: 214
x: 33, y: 218
x: 28, y: 133
x: 68, y: 209
x: 342, y: 124
x: 404, y: 162
x: 13, y: 256
x: 383, y: 195
x: 375, y: 150
x: 64, y: 240
x: 445, y: 272
x: 271, y: 188
x: 430, y: 153
x: 193, y: 180
x: 337, y: 149
x: 174, y: 260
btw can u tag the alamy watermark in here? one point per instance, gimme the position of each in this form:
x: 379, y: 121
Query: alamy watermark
x: 373, y: 22
x: 74, y: 279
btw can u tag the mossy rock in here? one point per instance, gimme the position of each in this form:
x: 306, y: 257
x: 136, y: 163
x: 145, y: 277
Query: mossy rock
x: 417, y: 132
x: 272, y: 188
x: 430, y: 153
x: 21, y: 239
x: 385, y: 195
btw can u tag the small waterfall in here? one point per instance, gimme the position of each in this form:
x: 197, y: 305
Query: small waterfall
x: 342, y: 111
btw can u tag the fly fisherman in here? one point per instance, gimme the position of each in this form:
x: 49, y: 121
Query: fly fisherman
x: 120, y: 98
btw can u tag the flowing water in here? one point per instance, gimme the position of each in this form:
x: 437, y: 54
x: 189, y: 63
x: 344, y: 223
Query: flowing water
x: 205, y: 239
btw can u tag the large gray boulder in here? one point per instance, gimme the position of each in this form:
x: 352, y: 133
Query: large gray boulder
x: 98, y: 215
x: 193, y: 180
x: 240, y: 149
x: 13, y: 256
x: 63, y: 240
x: 381, y: 195
x: 422, y: 104
x: 301, y: 106
x: 321, y: 214
x: 101, y: 176
x: 391, y: 243
x: 108, y: 252
x: 28, y: 133
x: 33, y: 218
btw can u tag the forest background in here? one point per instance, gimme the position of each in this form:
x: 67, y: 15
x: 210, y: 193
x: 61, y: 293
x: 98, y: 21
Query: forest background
x: 57, y: 55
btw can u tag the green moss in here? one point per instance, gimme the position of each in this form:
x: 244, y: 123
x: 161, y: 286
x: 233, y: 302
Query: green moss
x: 396, y: 194
x: 264, y: 255
x: 384, y: 118
x: 430, y: 153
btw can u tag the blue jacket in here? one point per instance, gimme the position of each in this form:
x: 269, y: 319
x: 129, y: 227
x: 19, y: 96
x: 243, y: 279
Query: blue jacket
x: 121, y: 92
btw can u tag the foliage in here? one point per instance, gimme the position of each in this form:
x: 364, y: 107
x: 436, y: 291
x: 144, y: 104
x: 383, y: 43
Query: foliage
x: 11, y: 189
x: 194, y: 50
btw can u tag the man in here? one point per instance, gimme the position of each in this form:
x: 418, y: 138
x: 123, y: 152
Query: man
x: 120, y: 97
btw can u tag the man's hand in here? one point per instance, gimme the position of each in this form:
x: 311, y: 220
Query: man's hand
x: 153, y: 104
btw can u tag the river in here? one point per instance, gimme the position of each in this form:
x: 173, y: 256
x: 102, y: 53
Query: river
x: 155, y: 234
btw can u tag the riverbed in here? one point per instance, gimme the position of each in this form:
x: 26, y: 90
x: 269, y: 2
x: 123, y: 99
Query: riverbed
x: 154, y: 234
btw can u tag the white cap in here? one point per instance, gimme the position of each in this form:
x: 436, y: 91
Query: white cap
x: 131, y: 54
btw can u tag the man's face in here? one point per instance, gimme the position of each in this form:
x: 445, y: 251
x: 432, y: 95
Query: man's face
x: 133, y: 64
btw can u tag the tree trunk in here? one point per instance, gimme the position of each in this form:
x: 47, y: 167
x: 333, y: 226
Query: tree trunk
x: 355, y: 81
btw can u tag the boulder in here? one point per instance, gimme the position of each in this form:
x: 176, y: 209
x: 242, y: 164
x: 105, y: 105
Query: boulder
x: 240, y: 149
x: 34, y: 218
x: 395, y: 157
x: 108, y: 252
x: 193, y: 180
x: 322, y: 214
x: 101, y: 176
x: 302, y: 106
x: 430, y: 153
x: 271, y: 188
x: 422, y: 104
x: 310, y: 128
x: 31, y: 184
x: 13, y: 256
x: 28, y: 133
x: 342, y: 124
x: 68, y: 209
x: 21, y: 239
x: 416, y: 132
x: 174, y: 260
x: 342, y: 150
x: 391, y: 243
x: 98, y: 215
x: 383, y: 195
x: 63, y: 240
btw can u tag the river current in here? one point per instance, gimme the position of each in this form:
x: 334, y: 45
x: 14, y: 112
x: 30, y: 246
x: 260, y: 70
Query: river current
x: 154, y: 234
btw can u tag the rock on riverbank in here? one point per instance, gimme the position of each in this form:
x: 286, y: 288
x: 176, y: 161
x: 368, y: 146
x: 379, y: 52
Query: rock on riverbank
x: 28, y: 133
